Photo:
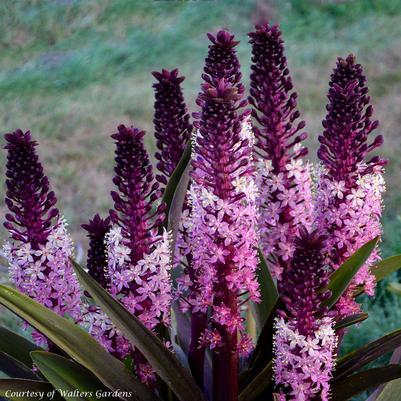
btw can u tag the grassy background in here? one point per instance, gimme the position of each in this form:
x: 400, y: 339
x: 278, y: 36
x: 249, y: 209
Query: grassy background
x: 72, y: 70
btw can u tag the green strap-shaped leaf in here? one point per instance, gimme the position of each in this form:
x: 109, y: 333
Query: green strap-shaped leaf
x: 342, y: 277
x: 350, y: 320
x: 263, y: 352
x: 177, y: 203
x: 16, y: 346
x: 16, y: 369
x: 258, y: 385
x: 394, y: 360
x: 25, y: 390
x: 77, y: 343
x: 76, y: 382
x: 350, y: 386
x: 386, y: 267
x: 383, y: 269
x: 366, y: 354
x: 390, y: 392
x: 161, y: 359
x: 268, y: 291
x: 175, y: 178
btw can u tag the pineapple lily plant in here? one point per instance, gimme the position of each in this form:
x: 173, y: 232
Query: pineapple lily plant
x: 230, y: 274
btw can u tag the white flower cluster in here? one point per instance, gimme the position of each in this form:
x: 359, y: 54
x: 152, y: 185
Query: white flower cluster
x: 46, y: 274
x: 143, y: 288
x: 350, y: 217
x: 303, y: 365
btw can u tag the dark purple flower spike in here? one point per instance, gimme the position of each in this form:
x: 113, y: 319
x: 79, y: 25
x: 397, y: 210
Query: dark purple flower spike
x: 302, y: 283
x: 350, y: 187
x: 97, y: 229
x: 222, y: 161
x: 40, y: 248
x: 273, y: 99
x: 285, y: 192
x: 171, y: 120
x: 348, y: 124
x: 305, y: 342
x: 133, y: 204
x: 28, y: 196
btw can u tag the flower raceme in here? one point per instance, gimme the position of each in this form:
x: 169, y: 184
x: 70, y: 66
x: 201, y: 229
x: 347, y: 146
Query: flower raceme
x: 350, y: 188
x: 284, y: 180
x: 138, y: 258
x: 221, y: 64
x: 223, y: 216
x: 39, y: 249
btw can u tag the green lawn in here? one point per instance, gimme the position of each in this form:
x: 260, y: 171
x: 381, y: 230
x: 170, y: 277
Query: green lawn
x: 72, y: 70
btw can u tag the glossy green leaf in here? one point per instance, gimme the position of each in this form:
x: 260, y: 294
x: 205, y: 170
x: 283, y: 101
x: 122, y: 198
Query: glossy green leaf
x: 386, y: 267
x: 175, y: 178
x: 76, y: 342
x: 68, y: 376
x: 258, y: 385
x: 268, y: 291
x: 16, y: 346
x: 351, y: 320
x: 395, y: 360
x: 390, y: 392
x: 342, y: 277
x: 177, y: 203
x: 350, y: 386
x: 36, y: 389
x: 162, y: 360
x: 16, y: 369
x: 368, y: 353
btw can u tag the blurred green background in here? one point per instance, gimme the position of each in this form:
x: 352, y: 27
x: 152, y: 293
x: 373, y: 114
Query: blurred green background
x: 72, y: 70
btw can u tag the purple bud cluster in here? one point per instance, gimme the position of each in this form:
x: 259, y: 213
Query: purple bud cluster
x: 301, y: 287
x: 171, y: 120
x: 97, y: 229
x: 28, y: 197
